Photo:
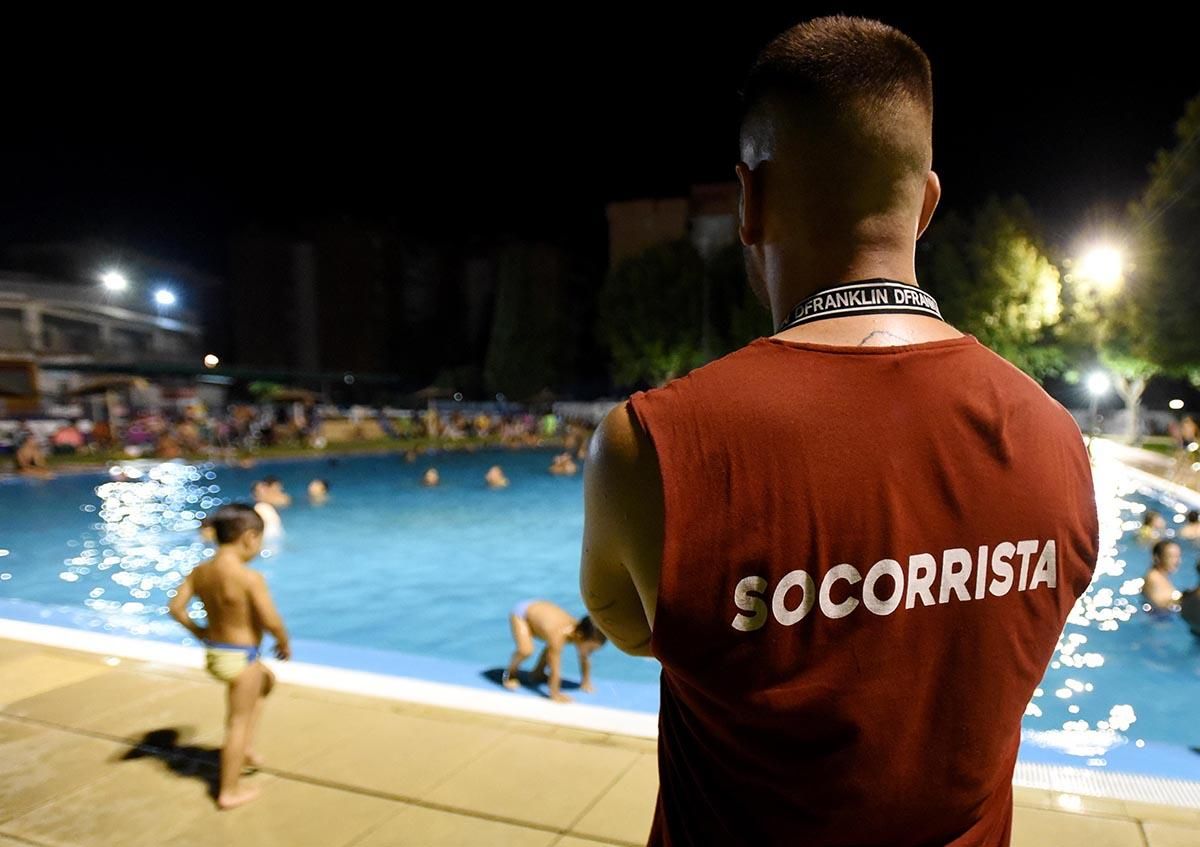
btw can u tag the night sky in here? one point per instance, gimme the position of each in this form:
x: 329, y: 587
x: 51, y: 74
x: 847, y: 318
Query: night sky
x: 525, y: 125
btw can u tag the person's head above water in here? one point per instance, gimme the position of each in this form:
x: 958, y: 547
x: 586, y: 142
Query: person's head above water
x: 318, y: 488
x: 1153, y: 520
x: 239, y: 527
x: 836, y: 150
x: 1165, y: 556
x: 1193, y: 516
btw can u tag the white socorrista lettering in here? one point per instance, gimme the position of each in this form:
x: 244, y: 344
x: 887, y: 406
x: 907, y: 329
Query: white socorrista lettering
x: 797, y: 593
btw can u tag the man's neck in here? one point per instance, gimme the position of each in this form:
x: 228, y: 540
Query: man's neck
x: 794, y: 283
x: 795, y: 279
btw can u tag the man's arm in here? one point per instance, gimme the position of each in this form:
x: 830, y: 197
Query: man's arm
x: 264, y: 609
x: 178, y: 607
x: 622, y: 532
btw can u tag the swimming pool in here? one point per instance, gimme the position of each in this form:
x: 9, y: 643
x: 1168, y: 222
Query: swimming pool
x: 394, y: 577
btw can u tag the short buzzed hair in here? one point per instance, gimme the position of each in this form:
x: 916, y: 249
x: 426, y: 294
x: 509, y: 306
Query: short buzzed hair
x: 233, y: 521
x: 859, y: 86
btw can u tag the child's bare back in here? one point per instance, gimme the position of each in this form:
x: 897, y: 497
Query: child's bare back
x: 226, y: 589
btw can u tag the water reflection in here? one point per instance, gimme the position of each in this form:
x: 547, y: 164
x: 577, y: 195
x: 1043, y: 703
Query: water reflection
x: 1097, y: 679
x: 145, y: 542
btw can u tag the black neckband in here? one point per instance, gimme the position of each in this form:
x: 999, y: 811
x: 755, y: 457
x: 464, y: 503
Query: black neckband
x: 863, y: 297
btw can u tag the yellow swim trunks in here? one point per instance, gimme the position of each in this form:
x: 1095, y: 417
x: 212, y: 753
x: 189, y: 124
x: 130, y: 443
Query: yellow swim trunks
x: 227, y: 661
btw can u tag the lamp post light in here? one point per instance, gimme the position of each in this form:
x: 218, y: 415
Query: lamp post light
x: 114, y: 280
x: 1098, y: 385
x: 1103, y: 265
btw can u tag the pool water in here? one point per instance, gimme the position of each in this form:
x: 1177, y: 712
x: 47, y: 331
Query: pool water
x: 389, y: 565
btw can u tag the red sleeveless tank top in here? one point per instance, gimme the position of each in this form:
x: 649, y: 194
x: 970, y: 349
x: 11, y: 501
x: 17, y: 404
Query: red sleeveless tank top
x: 870, y: 553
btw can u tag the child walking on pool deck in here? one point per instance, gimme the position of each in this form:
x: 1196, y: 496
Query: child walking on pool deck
x: 239, y: 608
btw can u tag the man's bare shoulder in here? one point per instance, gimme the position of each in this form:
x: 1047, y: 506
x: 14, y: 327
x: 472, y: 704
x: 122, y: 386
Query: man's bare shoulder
x: 620, y: 446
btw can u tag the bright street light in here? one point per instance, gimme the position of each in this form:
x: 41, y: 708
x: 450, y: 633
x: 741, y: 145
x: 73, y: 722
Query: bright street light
x: 164, y: 297
x: 1176, y: 404
x: 114, y: 280
x: 211, y: 361
x: 1098, y: 384
x: 1103, y: 266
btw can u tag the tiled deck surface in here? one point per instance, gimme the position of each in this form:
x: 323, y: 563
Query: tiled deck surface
x: 349, y: 770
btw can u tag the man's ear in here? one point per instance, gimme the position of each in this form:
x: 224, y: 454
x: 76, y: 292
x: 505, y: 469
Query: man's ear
x: 750, y: 201
x: 933, y: 193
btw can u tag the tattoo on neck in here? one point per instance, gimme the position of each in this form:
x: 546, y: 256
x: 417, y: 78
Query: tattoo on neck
x: 884, y: 332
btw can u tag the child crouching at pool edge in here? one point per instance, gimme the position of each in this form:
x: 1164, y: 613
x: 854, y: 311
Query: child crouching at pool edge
x: 552, y: 624
x: 239, y: 609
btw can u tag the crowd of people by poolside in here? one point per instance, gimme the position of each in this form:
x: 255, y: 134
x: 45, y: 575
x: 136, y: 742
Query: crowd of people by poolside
x: 240, y: 430
x: 1160, y: 596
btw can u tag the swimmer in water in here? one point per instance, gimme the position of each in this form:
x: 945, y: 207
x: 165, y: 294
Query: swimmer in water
x: 318, y: 492
x: 272, y: 523
x: 495, y: 477
x: 1153, y: 525
x: 269, y: 489
x: 1157, y: 589
x: 431, y: 479
x: 563, y: 465
x: 1191, y: 528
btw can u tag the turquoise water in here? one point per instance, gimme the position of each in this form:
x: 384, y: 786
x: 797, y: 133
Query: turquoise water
x: 385, y: 564
x: 390, y: 565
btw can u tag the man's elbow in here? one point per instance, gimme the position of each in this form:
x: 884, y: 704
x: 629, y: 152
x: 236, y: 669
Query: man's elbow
x: 641, y: 648
x: 625, y: 639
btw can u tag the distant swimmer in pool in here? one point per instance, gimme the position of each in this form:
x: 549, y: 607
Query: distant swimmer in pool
x: 239, y: 609
x: 495, y: 477
x: 272, y: 523
x: 563, y: 465
x: 431, y: 478
x: 269, y: 489
x: 1191, y: 528
x: 1157, y: 589
x: 551, y: 624
x: 1152, y: 528
x: 1189, y: 606
x: 318, y: 492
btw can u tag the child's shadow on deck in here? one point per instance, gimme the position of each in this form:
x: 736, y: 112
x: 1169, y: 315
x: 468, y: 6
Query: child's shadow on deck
x: 202, y: 763
x: 496, y: 677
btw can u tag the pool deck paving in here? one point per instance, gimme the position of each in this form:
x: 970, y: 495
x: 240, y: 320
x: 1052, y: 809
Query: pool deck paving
x: 99, y: 752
